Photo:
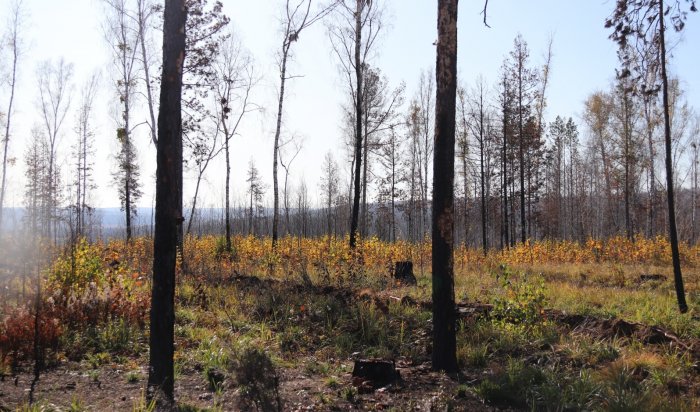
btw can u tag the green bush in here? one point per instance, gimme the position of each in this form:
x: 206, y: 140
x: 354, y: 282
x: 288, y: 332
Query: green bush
x: 523, y: 299
x: 78, y: 268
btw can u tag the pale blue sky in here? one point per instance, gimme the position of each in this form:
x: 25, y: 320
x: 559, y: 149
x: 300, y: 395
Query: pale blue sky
x: 584, y: 60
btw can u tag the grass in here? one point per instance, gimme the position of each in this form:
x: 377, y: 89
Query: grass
x: 514, y: 357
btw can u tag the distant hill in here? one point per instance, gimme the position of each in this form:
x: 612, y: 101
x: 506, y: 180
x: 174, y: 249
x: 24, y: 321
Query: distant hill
x: 109, y: 217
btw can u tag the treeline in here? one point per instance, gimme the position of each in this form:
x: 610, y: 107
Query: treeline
x: 518, y: 176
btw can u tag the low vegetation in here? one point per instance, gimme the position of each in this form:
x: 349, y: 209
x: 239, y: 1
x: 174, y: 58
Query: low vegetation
x: 543, y: 326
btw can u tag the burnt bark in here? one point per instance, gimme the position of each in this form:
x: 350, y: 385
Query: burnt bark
x: 444, y: 315
x: 358, y: 124
x: 168, y: 219
x: 673, y: 233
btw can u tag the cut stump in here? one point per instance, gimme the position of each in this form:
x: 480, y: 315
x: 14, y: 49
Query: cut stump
x: 371, y: 374
x: 403, y: 273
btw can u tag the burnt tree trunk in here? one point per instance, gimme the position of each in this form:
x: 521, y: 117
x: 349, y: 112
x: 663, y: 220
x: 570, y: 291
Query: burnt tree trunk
x: 358, y: 124
x: 505, y: 240
x: 521, y: 152
x: 168, y: 204
x: 444, y: 316
x: 484, y: 240
x: 673, y: 233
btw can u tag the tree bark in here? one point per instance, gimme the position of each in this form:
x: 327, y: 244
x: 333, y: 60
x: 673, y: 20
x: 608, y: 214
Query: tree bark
x: 504, y: 172
x: 227, y: 206
x: 168, y: 218
x: 444, y: 315
x: 484, y: 240
x: 358, y: 124
x: 6, y: 140
x: 142, y: 21
x: 521, y: 150
x: 276, y: 148
x: 675, y: 254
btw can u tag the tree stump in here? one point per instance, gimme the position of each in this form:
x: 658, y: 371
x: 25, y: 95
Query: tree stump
x: 403, y: 273
x: 371, y: 374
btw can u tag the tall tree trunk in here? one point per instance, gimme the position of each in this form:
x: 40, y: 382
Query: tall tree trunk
x: 364, y: 213
x: 484, y: 241
x: 79, y: 185
x: 6, y: 140
x: 194, y: 203
x: 675, y: 254
x: 694, y: 201
x: 444, y: 312
x: 652, y: 172
x: 142, y: 21
x: 127, y: 146
x: 393, y: 190
x: 276, y: 148
x: 168, y: 205
x: 465, y: 189
x: 627, y: 136
x: 521, y: 151
x: 227, y: 207
x: 358, y: 123
x: 608, y: 220
x: 504, y: 172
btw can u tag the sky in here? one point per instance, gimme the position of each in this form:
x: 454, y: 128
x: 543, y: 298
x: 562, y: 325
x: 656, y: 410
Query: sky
x: 584, y: 60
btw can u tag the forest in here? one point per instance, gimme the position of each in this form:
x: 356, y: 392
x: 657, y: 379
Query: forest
x: 464, y: 248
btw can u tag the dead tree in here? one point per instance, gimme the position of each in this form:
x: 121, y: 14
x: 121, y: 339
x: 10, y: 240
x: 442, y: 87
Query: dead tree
x: 296, y: 18
x: 16, y: 44
x: 642, y: 24
x: 444, y: 314
x: 161, y: 374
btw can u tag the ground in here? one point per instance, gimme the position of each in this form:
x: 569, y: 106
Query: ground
x: 545, y: 336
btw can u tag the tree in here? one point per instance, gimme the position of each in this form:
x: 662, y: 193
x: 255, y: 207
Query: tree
x: 426, y: 113
x: 624, y: 111
x: 168, y: 218
x: 83, y: 153
x: 479, y: 124
x: 36, y: 181
x: 232, y: 70
x: 413, y: 170
x: 505, y: 101
x: 444, y: 314
x: 379, y: 115
x: 123, y: 36
x: 390, y: 157
x: 55, y: 87
x: 206, y: 35
x: 524, y: 79
x: 462, y: 139
x: 329, y: 187
x: 597, y: 116
x: 16, y: 43
x: 127, y: 179
x: 285, y: 188
x: 233, y: 82
x: 145, y: 10
x: 353, y: 36
x: 652, y: 120
x: 642, y: 23
x: 203, y: 149
x: 563, y: 158
x: 256, y: 190
x: 295, y: 19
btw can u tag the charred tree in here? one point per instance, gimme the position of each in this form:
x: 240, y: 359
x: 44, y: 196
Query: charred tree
x: 168, y: 212
x: 444, y: 315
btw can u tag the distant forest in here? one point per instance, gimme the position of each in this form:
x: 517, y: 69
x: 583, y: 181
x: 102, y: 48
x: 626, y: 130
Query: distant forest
x: 517, y: 175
